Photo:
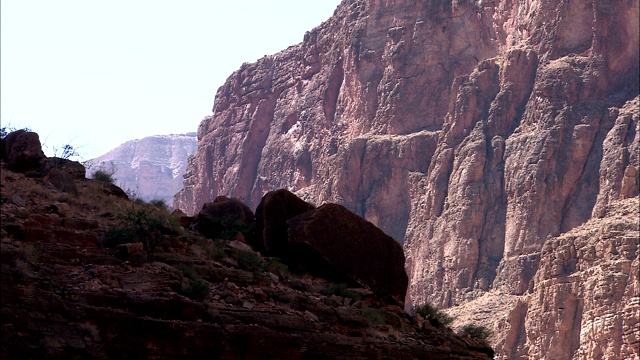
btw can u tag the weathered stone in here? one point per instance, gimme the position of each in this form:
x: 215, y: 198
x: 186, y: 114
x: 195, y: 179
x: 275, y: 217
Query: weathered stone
x: 272, y: 214
x: 22, y: 151
x: 114, y: 190
x: 224, y: 218
x: 331, y: 236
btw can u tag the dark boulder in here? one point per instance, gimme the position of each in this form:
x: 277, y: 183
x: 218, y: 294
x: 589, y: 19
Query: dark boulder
x: 224, y: 218
x: 275, y: 208
x: 74, y: 169
x: 332, y: 237
x: 22, y: 152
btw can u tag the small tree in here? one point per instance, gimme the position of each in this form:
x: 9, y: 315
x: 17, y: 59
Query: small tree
x: 436, y: 317
x: 139, y: 224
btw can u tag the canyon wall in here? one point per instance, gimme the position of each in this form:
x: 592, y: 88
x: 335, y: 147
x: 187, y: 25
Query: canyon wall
x: 151, y: 167
x: 475, y: 133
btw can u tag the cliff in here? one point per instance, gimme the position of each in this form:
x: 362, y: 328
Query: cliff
x: 474, y: 133
x: 152, y: 167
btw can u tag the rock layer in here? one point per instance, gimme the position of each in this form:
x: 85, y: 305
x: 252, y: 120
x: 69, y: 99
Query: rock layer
x: 471, y: 132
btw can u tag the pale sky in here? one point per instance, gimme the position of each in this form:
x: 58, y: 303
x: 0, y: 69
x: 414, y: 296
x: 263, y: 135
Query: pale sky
x: 95, y: 73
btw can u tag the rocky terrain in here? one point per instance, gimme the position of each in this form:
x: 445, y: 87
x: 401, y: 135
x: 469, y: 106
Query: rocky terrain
x: 89, y: 274
x: 475, y: 133
x: 152, y: 167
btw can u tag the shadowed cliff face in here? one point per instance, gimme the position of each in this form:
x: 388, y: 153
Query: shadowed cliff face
x: 471, y: 132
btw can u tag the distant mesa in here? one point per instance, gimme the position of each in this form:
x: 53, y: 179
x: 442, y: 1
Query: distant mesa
x: 151, y: 167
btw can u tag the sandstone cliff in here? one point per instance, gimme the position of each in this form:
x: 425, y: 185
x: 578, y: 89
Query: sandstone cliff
x: 472, y: 132
x: 152, y: 166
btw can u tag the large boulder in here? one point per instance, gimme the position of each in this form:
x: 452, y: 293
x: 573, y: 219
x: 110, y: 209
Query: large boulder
x: 334, y: 237
x: 275, y: 208
x: 22, y: 152
x: 224, y: 218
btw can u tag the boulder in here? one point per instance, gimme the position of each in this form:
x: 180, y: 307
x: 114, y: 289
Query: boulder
x: 75, y: 169
x: 224, y: 218
x: 22, y: 151
x: 333, y: 237
x: 275, y: 208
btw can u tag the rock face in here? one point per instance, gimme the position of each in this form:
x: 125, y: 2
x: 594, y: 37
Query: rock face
x: 152, y: 167
x: 471, y: 132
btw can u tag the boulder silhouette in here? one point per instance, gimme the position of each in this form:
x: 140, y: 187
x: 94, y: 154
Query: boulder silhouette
x: 332, y: 238
x: 22, y: 151
x: 275, y: 208
x: 224, y: 218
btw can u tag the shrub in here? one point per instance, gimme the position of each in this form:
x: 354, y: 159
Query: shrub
x: 341, y: 289
x: 250, y: 261
x: 197, y: 289
x: 103, y: 176
x: 188, y: 272
x: 372, y: 316
x: 275, y: 266
x: 436, y: 317
x: 479, y: 332
x: 138, y: 224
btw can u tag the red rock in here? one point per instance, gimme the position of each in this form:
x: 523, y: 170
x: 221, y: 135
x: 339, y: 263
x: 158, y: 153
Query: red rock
x: 224, y: 218
x: 22, y: 151
x: 332, y: 237
x: 272, y: 214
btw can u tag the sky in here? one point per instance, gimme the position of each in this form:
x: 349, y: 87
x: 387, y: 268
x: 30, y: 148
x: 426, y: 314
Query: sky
x: 94, y: 73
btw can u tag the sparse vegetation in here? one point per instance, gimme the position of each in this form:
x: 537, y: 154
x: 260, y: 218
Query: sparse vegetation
x: 341, y: 289
x: 275, y: 266
x: 6, y: 130
x: 373, y: 316
x: 479, y: 332
x: 436, y: 317
x: 65, y: 152
x: 250, y: 261
x: 197, y: 289
x: 140, y: 224
x: 102, y: 176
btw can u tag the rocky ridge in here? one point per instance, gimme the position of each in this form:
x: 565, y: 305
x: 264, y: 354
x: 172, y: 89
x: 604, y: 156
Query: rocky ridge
x: 67, y: 292
x: 472, y: 132
x: 152, y: 167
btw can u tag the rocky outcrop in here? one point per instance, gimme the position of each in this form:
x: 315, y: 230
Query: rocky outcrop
x: 22, y: 151
x: 151, y: 167
x: 64, y: 297
x: 471, y: 132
